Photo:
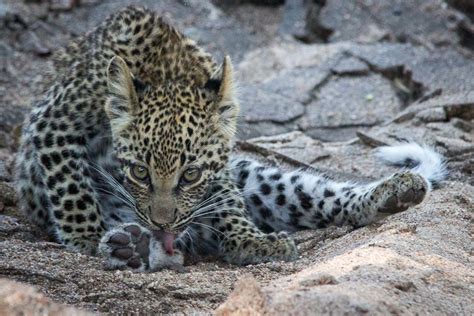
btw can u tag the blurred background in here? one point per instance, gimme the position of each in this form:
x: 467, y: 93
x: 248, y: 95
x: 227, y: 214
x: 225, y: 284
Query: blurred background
x: 301, y: 60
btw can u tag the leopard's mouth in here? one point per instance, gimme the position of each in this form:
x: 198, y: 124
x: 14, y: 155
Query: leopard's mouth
x: 167, y: 238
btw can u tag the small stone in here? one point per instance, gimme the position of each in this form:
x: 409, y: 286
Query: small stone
x: 7, y: 194
x: 350, y: 66
x: 33, y: 43
x: 4, y: 173
x: 3, y: 140
x: 63, y: 5
x: 405, y: 286
x: 437, y: 114
x: 319, y: 279
x: 462, y: 124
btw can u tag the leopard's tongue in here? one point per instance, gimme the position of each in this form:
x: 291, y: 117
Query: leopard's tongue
x: 167, y: 239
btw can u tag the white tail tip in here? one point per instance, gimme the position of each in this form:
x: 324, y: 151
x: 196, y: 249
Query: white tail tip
x: 420, y: 159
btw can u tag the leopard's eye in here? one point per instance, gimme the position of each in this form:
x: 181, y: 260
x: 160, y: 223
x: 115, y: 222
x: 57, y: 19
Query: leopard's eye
x: 191, y: 174
x: 139, y: 172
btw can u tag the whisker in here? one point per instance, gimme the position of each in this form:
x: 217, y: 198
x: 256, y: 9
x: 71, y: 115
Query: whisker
x: 111, y: 180
x: 210, y: 228
x: 126, y: 202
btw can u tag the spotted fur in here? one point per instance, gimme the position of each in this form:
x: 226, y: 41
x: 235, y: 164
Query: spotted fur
x: 138, y: 127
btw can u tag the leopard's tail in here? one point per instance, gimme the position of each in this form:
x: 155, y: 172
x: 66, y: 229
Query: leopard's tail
x: 418, y: 158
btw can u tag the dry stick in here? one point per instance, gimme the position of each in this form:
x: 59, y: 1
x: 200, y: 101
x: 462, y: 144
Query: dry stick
x: 246, y: 146
x: 265, y: 152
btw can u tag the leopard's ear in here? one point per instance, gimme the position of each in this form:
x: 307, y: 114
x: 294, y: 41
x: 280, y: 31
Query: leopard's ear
x: 122, y: 100
x: 227, y: 106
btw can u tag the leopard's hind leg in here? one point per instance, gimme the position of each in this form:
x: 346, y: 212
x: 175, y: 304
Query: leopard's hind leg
x: 296, y: 200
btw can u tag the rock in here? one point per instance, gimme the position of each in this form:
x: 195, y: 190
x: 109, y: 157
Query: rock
x: 464, y: 125
x: 250, y: 130
x: 350, y: 66
x: 31, y: 43
x: 456, y: 147
x: 369, y: 140
x: 4, y: 172
x: 7, y: 193
x: 337, y: 134
x: 293, y: 18
x: 63, y: 5
x: 8, y: 224
x: 266, y: 113
x: 351, y: 102
x: 4, y: 140
x: 246, y: 299
x: 456, y: 105
x: 11, y: 117
x: 201, y: 20
x: 297, y: 84
x: 353, y: 20
x: 296, y: 150
x: 12, y: 227
x: 318, y: 279
x: 263, y: 64
x: 432, y: 115
x: 442, y: 69
x: 466, y: 5
x: 259, y: 105
x: 19, y: 299
x: 414, y: 271
x: 375, y: 81
x: 292, y: 145
x: 339, y: 20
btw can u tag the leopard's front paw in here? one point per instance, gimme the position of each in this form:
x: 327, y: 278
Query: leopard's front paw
x: 131, y: 246
x: 281, y: 247
x: 263, y: 248
x: 401, y: 191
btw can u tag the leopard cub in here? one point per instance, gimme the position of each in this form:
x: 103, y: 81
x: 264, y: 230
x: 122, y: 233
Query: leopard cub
x: 128, y: 154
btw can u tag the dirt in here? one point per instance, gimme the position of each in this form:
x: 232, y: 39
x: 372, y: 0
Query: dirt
x: 322, y: 103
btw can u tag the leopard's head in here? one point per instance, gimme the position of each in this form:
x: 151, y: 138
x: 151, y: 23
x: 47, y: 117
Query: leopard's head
x: 172, y: 140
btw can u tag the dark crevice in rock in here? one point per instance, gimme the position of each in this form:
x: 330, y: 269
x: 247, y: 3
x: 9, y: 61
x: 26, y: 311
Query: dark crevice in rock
x: 356, y: 125
x: 350, y: 66
x: 432, y: 94
x: 466, y: 34
x: 407, y: 90
x: 315, y: 32
x: 464, y: 6
x: 401, y: 78
x: 279, y: 123
x: 314, y: 92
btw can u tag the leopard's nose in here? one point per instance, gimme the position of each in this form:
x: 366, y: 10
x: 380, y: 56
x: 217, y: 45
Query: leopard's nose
x: 163, y: 217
